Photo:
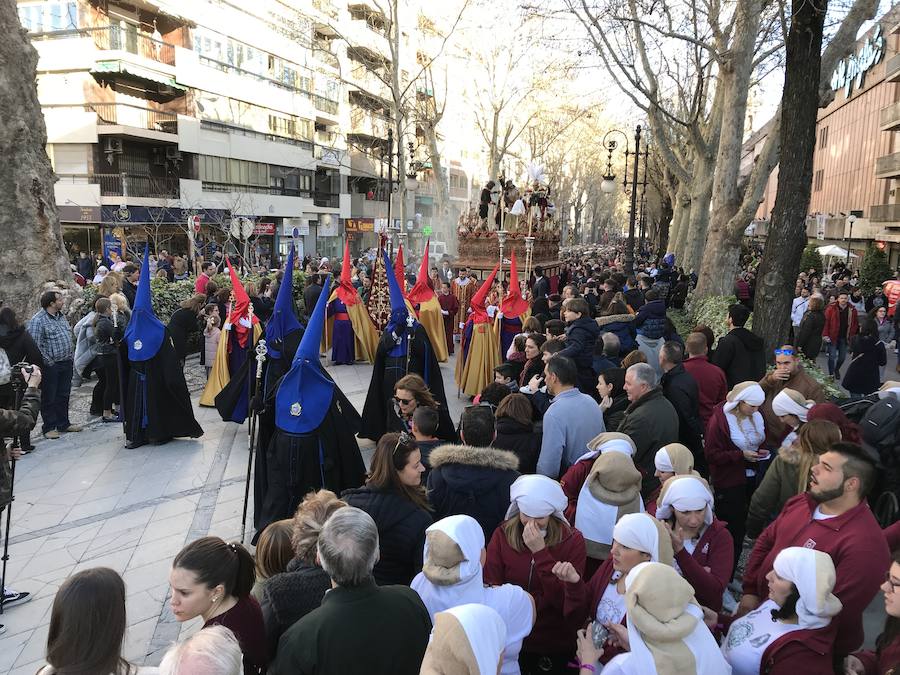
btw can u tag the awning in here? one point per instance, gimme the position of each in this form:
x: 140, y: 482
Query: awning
x: 136, y: 71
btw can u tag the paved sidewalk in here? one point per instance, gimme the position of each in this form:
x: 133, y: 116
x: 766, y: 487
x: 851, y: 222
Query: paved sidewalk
x: 86, y: 501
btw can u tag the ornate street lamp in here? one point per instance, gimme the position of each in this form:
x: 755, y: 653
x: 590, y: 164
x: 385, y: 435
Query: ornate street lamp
x: 608, y: 185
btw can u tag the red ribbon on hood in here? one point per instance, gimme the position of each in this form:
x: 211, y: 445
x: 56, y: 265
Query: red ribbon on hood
x: 422, y: 291
x: 479, y: 310
x: 239, y: 308
x: 400, y: 269
x: 345, y: 290
x: 513, y: 304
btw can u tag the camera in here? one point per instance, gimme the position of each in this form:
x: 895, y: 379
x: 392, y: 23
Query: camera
x: 16, y: 377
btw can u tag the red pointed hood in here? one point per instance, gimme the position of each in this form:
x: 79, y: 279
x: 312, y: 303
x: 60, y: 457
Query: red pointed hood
x: 513, y: 304
x: 422, y: 291
x: 479, y: 310
x: 346, y: 291
x: 239, y: 308
x: 400, y: 269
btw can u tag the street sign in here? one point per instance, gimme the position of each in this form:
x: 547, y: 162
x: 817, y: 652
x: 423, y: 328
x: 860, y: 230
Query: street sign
x: 427, y: 230
x: 194, y: 223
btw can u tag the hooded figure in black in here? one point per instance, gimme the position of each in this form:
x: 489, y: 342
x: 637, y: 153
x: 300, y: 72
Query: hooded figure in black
x: 404, y: 348
x: 156, y: 405
x: 313, y: 445
x: 282, y: 337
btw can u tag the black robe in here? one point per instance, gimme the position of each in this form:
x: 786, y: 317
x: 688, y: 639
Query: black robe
x: 296, y: 464
x: 156, y: 403
x: 379, y: 416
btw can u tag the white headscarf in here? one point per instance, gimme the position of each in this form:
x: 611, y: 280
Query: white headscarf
x: 666, y: 632
x: 664, y: 458
x: 812, y: 572
x: 610, y: 491
x: 451, y: 575
x: 609, y: 441
x: 466, y: 640
x: 889, y: 388
x: 102, y: 271
x: 537, y: 496
x: 643, y: 532
x: 748, y: 392
x: 790, y: 402
x: 684, y: 493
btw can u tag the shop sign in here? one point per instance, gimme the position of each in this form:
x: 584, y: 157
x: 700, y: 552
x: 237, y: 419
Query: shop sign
x: 328, y: 226
x: 299, y: 224
x: 79, y: 214
x: 264, y: 228
x: 359, y: 225
x: 855, y: 66
x: 821, y: 219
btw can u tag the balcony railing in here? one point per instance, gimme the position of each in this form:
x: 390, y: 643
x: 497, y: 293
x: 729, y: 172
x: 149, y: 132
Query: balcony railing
x: 892, y: 69
x: 211, y: 186
x: 234, y: 129
x: 889, y: 117
x: 325, y: 105
x: 885, y: 213
x: 367, y: 123
x: 330, y: 200
x: 127, y: 39
x: 126, y: 115
x: 135, y: 185
x: 326, y: 7
x: 888, y: 166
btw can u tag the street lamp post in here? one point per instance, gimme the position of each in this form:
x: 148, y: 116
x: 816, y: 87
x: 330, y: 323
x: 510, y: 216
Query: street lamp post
x: 851, y: 219
x: 608, y: 186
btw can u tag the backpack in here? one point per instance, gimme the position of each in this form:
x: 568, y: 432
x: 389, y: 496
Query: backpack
x: 879, y: 426
x: 5, y: 367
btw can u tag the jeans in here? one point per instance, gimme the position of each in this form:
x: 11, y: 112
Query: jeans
x: 837, y: 353
x: 731, y: 506
x: 56, y: 386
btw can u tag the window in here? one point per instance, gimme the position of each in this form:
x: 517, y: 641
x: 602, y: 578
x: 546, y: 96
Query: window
x: 818, y: 179
x: 48, y: 16
x: 823, y: 138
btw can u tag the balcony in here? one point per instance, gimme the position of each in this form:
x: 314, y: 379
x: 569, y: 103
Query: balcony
x: 329, y: 156
x: 134, y: 42
x: 360, y: 207
x: 281, y: 191
x: 889, y: 117
x: 888, y: 166
x: 885, y: 213
x: 327, y: 8
x: 892, y: 69
x: 369, y: 82
x: 366, y: 123
x: 135, y: 185
x: 325, y: 105
x: 126, y: 115
x: 331, y: 200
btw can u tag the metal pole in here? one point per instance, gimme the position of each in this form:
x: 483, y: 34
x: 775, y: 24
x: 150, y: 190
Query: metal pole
x: 629, y: 247
x: 850, y: 240
x: 390, y: 195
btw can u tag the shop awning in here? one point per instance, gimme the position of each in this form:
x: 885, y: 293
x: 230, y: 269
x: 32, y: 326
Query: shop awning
x: 135, y: 70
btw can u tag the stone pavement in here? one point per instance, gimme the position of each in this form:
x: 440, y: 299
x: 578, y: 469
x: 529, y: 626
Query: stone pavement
x: 86, y: 501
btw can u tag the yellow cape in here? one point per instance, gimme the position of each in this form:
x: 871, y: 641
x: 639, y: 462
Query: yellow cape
x: 483, y: 356
x: 219, y: 376
x: 365, y: 337
x: 433, y: 321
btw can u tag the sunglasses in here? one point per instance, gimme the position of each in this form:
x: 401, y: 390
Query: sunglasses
x: 403, y: 401
x: 403, y: 439
x: 784, y: 352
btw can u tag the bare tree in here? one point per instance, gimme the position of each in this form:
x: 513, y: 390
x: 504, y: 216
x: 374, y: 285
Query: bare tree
x: 32, y: 254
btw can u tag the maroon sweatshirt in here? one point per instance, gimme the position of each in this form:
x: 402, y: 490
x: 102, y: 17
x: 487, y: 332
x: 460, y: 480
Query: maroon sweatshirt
x: 726, y: 461
x: 572, y: 482
x: 714, y: 550
x: 853, y: 540
x: 581, y: 601
x: 245, y: 620
x: 881, y: 663
x: 712, y: 388
x: 892, y: 535
x: 552, y: 632
x: 800, y: 651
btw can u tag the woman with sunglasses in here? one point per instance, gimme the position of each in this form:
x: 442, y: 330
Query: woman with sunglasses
x: 886, y: 657
x: 395, y: 498
x: 411, y: 392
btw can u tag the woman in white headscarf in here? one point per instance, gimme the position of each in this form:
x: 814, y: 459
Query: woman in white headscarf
x: 452, y: 575
x: 789, y: 632
x: 102, y: 271
x: 673, y: 459
x: 574, y: 478
x: 522, y: 551
x: 792, y: 409
x: 733, y: 446
x: 637, y: 538
x: 704, y: 550
x: 465, y: 640
x: 665, y: 632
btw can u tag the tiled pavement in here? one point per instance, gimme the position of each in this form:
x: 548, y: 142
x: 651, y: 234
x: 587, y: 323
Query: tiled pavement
x: 86, y: 501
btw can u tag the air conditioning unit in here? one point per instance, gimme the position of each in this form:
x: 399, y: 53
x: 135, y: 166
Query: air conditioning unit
x: 113, y: 145
x: 173, y: 154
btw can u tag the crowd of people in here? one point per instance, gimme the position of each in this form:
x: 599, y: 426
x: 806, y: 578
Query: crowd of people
x: 587, y: 512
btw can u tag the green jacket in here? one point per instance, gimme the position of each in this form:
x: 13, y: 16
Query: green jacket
x: 651, y: 422
x: 12, y: 424
x: 778, y: 485
x: 377, y: 630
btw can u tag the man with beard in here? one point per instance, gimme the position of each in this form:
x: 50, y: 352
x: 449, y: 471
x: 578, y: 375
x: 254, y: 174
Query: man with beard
x: 156, y: 405
x: 463, y: 289
x: 404, y: 348
x: 313, y: 445
x: 834, y: 517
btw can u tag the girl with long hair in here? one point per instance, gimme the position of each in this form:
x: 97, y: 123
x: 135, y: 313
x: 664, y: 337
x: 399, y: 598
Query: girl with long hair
x: 886, y: 656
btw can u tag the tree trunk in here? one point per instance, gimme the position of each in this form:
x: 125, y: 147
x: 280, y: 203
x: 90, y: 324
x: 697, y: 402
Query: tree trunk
x: 32, y: 256
x: 682, y: 221
x: 701, y: 196
x: 787, y: 231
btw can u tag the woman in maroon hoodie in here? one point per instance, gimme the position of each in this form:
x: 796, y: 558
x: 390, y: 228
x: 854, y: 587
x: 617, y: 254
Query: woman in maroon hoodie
x: 791, y: 632
x: 886, y: 657
x: 704, y: 550
x: 734, y: 437
x: 637, y: 538
x: 523, y: 550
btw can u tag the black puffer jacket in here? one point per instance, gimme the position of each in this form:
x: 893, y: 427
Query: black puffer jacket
x: 650, y: 320
x: 290, y: 596
x: 581, y: 336
x: 472, y: 481
x: 613, y: 416
x: 20, y: 346
x: 741, y: 354
x: 401, y: 532
x: 520, y: 439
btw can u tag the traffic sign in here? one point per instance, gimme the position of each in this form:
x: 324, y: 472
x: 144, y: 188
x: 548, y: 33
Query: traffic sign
x: 194, y: 223
x: 427, y: 230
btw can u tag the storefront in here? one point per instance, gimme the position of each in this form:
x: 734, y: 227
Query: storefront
x: 81, y: 229
x: 361, y: 234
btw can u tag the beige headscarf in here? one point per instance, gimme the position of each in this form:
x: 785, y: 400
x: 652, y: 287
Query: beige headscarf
x: 748, y: 392
x: 889, y: 388
x: 791, y: 402
x: 685, y: 493
x: 611, y: 490
x: 812, y: 572
x: 466, y: 640
x: 674, y: 458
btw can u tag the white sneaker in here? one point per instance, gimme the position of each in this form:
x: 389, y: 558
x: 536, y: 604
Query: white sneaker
x: 12, y: 598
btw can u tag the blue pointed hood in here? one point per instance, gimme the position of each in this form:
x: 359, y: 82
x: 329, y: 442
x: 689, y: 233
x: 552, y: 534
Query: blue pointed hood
x: 145, y: 333
x: 283, y: 320
x: 399, y: 311
x: 305, y: 393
